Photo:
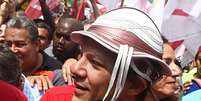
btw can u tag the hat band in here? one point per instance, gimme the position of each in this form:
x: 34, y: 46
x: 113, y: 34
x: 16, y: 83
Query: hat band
x: 123, y: 37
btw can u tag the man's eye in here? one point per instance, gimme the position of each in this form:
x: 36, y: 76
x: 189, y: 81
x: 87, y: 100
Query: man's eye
x: 67, y: 38
x: 178, y: 63
x: 20, y: 44
x: 42, y: 38
x: 96, y: 62
x: 2, y: 41
x: 167, y: 61
x: 58, y: 35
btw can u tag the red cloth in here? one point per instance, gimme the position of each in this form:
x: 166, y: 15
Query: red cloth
x: 10, y: 93
x: 59, y: 93
x: 80, y: 13
x: 34, y: 9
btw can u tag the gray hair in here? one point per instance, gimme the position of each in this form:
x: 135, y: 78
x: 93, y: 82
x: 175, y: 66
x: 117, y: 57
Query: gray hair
x: 25, y: 23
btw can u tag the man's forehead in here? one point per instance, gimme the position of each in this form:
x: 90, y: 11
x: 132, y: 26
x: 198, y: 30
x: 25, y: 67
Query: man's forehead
x: 16, y: 29
x: 64, y: 31
x: 16, y: 34
x: 16, y: 41
x: 64, y: 25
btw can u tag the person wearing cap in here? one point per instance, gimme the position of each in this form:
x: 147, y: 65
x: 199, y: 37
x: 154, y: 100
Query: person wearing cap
x: 120, y: 58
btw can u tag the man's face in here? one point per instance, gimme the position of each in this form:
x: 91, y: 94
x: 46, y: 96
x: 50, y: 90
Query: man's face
x: 62, y: 43
x: 19, y: 42
x: 168, y: 85
x: 43, y: 37
x: 92, y: 71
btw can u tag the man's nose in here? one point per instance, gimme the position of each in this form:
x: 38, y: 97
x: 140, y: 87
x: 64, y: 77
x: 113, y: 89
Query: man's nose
x: 13, y: 48
x: 175, y: 69
x: 79, y: 69
x: 61, y: 40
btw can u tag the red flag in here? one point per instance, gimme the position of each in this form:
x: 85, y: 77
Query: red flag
x: 110, y: 4
x: 80, y: 13
x: 34, y: 9
x: 74, y: 9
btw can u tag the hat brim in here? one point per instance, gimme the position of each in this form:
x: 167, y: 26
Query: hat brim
x: 76, y: 35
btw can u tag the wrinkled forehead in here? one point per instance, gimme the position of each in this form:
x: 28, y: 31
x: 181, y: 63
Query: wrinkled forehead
x: 17, y: 34
x: 89, y: 45
x: 14, y: 31
x: 88, y: 42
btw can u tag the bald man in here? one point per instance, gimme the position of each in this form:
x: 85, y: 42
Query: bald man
x: 63, y: 47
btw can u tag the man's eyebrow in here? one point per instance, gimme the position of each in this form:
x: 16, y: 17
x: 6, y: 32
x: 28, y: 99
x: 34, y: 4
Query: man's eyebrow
x: 16, y: 40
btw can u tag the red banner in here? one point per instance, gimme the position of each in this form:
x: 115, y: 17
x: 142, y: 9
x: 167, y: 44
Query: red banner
x: 34, y: 9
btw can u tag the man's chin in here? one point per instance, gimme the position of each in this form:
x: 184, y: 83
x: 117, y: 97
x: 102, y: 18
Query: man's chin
x: 57, y: 53
x: 79, y: 98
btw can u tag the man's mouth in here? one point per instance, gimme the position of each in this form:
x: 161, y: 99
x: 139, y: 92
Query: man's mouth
x: 172, y: 81
x: 59, y: 48
x: 19, y: 56
x: 80, y: 88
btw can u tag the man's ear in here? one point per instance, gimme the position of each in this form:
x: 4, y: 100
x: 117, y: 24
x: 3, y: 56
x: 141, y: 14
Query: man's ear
x: 37, y: 45
x: 135, y: 88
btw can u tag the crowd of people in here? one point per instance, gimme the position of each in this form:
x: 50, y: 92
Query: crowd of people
x: 110, y: 57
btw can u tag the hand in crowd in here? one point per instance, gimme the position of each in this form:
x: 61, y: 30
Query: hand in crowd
x: 188, y: 84
x: 7, y: 9
x: 65, y: 4
x: 66, y: 70
x: 3, y: 11
x: 43, y: 82
x: 198, y: 81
